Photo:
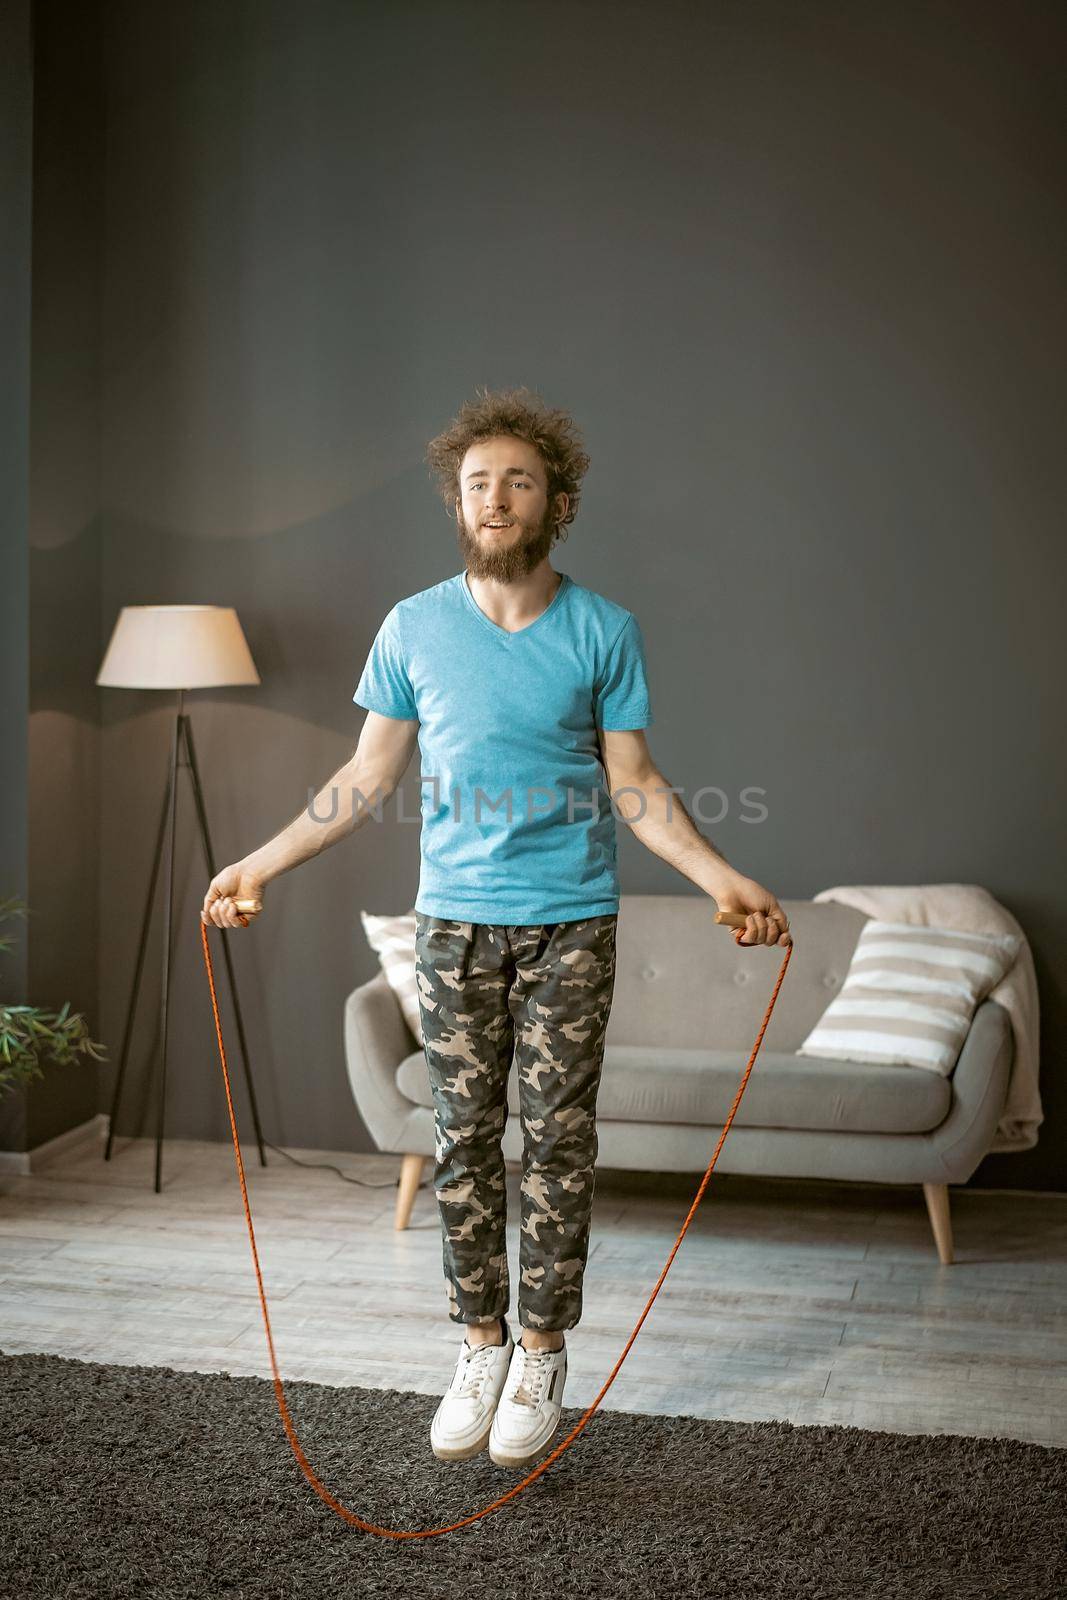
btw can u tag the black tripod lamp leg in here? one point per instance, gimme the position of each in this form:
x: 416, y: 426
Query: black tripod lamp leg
x: 209, y: 857
x: 168, y: 921
x: 139, y: 968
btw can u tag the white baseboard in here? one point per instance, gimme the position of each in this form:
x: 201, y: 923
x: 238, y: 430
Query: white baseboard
x: 29, y: 1161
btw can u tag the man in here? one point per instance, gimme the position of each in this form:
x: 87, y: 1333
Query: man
x: 525, y: 692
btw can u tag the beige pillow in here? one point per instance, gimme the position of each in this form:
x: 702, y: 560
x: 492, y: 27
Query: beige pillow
x: 909, y: 995
x: 393, y: 941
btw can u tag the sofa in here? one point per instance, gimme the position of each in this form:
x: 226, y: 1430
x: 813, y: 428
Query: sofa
x: 688, y: 1003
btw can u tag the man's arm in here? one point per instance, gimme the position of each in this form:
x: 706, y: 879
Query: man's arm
x: 381, y: 758
x: 657, y: 816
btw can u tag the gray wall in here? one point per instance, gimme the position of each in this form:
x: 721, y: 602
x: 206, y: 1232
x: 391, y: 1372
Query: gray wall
x: 52, y: 126
x: 16, y: 254
x: 65, y: 531
x: 798, y: 273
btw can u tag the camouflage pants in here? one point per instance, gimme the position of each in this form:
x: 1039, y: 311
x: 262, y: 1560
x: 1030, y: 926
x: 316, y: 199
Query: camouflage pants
x: 541, y: 994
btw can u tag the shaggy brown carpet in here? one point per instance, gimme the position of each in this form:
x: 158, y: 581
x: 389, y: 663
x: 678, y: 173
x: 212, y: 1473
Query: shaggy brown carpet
x: 142, y: 1481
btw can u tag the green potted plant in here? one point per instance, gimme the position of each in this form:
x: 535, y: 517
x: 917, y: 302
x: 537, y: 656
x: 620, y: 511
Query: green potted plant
x: 30, y: 1035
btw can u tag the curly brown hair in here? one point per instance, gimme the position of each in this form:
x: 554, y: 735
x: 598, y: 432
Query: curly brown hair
x: 523, y: 415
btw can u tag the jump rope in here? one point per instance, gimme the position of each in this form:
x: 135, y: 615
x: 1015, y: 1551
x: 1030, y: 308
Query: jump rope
x: 731, y: 919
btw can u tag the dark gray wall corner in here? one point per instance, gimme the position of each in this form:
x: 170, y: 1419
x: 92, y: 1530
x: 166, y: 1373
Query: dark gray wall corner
x: 16, y: 212
x: 65, y: 544
x: 50, y: 635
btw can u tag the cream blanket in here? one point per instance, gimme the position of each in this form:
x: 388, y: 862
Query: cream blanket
x: 972, y: 909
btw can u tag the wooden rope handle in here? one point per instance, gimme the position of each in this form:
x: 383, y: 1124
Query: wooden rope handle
x: 729, y: 919
x: 738, y: 922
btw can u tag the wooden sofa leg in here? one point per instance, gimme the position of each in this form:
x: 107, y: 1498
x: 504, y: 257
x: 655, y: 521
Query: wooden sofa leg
x: 410, y: 1178
x: 940, y: 1220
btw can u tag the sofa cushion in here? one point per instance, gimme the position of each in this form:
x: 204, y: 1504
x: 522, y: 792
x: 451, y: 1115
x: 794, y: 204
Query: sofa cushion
x: 909, y: 995
x: 682, y: 982
x: 697, y: 1087
x: 393, y: 941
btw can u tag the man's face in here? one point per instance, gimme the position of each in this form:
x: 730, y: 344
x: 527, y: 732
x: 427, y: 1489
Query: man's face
x: 506, y: 525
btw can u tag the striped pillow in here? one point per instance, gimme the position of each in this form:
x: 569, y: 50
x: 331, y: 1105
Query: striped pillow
x: 393, y: 940
x: 909, y: 995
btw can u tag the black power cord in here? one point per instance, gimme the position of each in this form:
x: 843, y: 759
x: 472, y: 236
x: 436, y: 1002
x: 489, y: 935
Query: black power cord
x: 328, y: 1166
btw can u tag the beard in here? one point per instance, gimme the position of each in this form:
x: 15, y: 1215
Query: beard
x: 506, y: 563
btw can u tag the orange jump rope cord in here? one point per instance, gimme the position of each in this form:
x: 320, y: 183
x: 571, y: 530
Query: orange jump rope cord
x: 320, y: 1488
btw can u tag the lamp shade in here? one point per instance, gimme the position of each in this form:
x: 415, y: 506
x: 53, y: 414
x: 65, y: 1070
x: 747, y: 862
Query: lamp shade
x: 177, y: 647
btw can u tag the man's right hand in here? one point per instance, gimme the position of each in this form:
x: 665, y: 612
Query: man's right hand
x: 232, y: 883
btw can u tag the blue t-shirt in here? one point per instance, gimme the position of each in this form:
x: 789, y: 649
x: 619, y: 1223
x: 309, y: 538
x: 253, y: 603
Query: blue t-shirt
x: 508, y: 722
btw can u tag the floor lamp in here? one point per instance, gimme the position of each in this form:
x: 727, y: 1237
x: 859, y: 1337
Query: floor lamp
x: 176, y: 648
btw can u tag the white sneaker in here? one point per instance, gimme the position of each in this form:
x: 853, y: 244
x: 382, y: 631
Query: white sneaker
x: 528, y: 1412
x: 463, y: 1420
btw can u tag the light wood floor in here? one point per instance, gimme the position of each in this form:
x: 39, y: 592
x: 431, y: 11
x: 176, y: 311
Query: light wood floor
x: 802, y: 1301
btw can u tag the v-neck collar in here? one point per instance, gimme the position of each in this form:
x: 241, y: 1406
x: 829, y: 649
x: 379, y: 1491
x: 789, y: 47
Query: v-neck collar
x: 513, y: 633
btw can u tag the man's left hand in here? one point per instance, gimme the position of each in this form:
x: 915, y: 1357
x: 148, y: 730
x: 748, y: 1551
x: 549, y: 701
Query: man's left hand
x: 767, y: 923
